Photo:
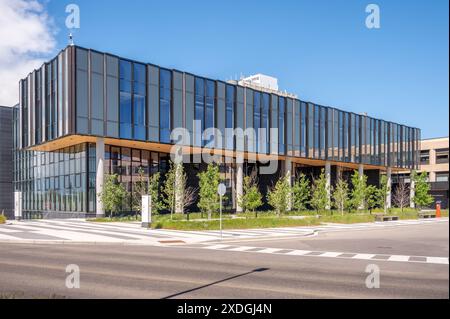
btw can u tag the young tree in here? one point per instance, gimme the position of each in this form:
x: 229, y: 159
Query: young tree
x: 400, y: 197
x: 319, y: 199
x: 177, y: 196
x: 189, y: 198
x: 358, y: 193
x: 168, y: 189
x: 372, y: 198
x: 278, y: 195
x: 113, y: 194
x: 208, y: 182
x: 422, y: 197
x: 251, y: 198
x: 153, y: 191
x: 383, y: 192
x: 340, y: 195
x: 184, y: 196
x: 301, y: 192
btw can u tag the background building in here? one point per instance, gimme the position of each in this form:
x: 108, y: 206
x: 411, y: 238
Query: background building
x: 87, y: 113
x: 6, y: 161
x: 434, y: 160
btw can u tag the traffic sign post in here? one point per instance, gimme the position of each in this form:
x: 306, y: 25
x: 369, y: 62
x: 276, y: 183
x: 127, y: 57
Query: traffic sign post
x: 221, y: 190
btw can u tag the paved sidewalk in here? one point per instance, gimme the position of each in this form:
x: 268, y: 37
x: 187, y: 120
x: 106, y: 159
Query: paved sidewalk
x: 81, y: 231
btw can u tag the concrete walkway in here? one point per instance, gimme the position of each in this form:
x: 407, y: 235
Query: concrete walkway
x: 131, y: 233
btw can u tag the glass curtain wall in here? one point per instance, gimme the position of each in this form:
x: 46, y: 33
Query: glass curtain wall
x: 53, y: 181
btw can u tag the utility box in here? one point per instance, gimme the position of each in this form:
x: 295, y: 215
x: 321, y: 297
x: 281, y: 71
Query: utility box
x: 146, y: 211
x: 18, y: 205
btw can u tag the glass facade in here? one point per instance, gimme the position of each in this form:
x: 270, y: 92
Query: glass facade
x: 55, y: 181
x: 113, y: 97
x: 89, y: 93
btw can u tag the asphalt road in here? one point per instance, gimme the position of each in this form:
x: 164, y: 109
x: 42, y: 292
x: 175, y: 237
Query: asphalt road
x: 117, y: 271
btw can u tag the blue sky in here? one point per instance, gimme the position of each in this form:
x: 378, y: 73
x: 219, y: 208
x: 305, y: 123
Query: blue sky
x: 319, y: 50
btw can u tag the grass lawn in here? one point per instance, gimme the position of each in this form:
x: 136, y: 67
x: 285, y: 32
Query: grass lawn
x: 235, y: 223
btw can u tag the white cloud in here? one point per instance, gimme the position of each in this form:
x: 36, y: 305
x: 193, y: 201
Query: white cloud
x: 26, y: 39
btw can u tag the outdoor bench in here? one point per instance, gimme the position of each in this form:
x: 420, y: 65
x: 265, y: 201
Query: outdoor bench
x: 384, y: 218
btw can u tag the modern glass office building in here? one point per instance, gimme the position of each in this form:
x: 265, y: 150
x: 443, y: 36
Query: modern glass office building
x: 85, y: 114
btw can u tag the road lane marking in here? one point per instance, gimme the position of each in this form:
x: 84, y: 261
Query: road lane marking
x: 398, y: 258
x: 331, y: 254
x: 363, y: 256
x: 437, y: 260
x: 241, y: 248
x: 298, y: 252
x: 217, y: 246
x: 270, y: 250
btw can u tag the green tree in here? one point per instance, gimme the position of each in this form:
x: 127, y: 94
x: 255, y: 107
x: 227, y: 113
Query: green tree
x: 113, y: 194
x: 208, y: 183
x: 372, y: 198
x: 383, y: 192
x: 319, y: 198
x: 251, y: 197
x: 301, y: 191
x: 278, y: 195
x: 341, y: 195
x: 422, y: 197
x: 358, y: 192
x: 168, y: 189
x: 153, y: 191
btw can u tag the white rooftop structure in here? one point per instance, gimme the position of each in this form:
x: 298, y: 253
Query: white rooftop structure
x: 264, y: 83
x: 262, y: 80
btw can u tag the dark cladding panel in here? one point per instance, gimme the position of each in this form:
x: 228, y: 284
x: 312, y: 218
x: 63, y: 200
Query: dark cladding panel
x: 177, y: 99
x: 220, y: 113
x: 239, y: 116
x: 112, y: 96
x: 250, y: 137
x: 189, y: 111
x: 82, y: 92
x: 289, y: 119
x: 274, y: 124
x: 153, y: 103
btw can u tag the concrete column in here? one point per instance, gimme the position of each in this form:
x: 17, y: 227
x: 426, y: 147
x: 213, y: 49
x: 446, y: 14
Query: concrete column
x: 239, y: 184
x: 328, y: 178
x: 100, y: 158
x: 361, y: 170
x: 389, y: 185
x: 179, y: 188
x: 361, y: 174
x: 288, y: 173
x: 338, y: 172
x: 412, y: 193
